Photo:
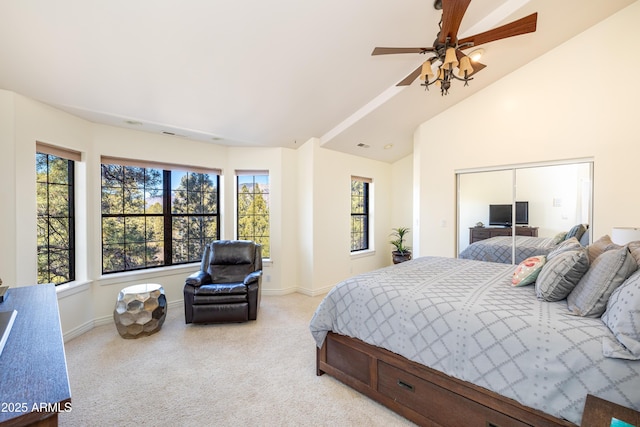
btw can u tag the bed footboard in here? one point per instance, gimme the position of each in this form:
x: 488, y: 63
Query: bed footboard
x: 420, y: 394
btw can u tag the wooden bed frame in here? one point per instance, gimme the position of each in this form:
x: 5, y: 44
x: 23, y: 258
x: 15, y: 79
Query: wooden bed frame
x: 421, y: 394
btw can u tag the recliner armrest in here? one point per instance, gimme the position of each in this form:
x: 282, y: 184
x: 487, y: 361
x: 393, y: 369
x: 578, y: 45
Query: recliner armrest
x: 252, y: 277
x: 198, y: 278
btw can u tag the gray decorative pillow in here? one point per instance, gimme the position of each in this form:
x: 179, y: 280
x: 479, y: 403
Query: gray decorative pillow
x: 570, y: 244
x: 600, y: 246
x: 561, y: 274
x: 608, y: 271
x: 623, y: 318
x: 576, y: 231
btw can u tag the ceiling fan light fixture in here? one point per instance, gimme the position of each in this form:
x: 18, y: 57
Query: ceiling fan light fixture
x: 447, y: 50
x: 476, y: 54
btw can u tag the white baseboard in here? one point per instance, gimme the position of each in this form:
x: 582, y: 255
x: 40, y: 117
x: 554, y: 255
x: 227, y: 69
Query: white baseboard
x: 107, y: 320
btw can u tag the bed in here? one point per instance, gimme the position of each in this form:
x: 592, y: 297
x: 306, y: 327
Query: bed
x: 446, y: 341
x: 499, y: 248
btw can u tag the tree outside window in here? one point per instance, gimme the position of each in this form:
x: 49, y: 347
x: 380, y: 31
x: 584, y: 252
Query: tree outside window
x: 55, y: 218
x: 253, y: 209
x: 155, y: 217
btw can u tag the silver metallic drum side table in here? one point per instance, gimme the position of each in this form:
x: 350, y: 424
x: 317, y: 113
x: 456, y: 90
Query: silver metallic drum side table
x: 140, y: 310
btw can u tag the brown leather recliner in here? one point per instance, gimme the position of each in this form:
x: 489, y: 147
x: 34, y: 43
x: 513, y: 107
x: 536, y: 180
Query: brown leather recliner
x: 227, y: 287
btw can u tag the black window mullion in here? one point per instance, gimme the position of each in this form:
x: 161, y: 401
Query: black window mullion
x: 71, y: 219
x: 168, y: 217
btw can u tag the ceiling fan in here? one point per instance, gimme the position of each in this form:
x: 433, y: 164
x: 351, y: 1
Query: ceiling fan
x: 448, y: 50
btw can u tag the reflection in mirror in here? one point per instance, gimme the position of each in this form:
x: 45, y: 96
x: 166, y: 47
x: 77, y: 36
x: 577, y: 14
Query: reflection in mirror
x: 476, y: 191
x: 548, y: 201
x: 559, y: 196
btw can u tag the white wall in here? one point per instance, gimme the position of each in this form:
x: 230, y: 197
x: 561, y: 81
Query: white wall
x: 325, y: 194
x: 541, y: 112
x: 8, y: 232
x: 402, y: 197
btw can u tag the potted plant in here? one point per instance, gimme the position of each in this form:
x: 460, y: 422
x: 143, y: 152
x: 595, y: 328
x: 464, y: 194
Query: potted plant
x: 401, y: 253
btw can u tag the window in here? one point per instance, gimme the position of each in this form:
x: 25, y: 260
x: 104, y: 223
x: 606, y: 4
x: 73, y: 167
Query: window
x: 359, y: 213
x: 253, y: 208
x: 155, y: 215
x: 55, y: 213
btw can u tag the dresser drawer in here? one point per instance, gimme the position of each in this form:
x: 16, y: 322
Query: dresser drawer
x: 438, y: 404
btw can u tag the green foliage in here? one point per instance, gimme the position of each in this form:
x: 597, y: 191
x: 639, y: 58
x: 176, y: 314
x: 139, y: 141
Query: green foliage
x: 54, y: 203
x: 399, y: 234
x: 253, y: 215
x: 134, y: 215
x: 196, y: 194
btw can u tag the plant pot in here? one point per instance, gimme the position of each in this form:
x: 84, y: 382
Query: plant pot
x: 399, y: 257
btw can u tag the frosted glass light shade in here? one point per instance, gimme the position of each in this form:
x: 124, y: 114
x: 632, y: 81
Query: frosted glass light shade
x: 624, y: 235
x: 465, y: 65
x: 450, y: 58
x: 426, y: 70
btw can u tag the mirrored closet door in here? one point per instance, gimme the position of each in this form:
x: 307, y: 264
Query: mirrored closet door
x: 541, y: 200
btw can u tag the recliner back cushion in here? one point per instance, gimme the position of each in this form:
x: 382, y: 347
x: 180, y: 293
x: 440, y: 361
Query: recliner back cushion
x: 231, y: 261
x: 228, y: 252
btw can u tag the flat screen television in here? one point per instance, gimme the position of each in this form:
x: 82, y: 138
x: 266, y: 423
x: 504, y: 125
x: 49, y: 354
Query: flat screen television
x: 501, y: 214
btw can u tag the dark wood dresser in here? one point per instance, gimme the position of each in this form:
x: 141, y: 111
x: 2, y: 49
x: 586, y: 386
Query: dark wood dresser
x: 34, y: 384
x: 481, y: 233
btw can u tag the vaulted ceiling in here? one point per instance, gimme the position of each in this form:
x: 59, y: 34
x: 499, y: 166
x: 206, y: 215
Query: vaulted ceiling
x: 261, y: 73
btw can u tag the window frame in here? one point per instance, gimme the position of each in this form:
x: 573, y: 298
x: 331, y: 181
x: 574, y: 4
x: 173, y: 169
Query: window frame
x: 365, y: 215
x: 266, y: 247
x: 167, y: 213
x: 71, y: 157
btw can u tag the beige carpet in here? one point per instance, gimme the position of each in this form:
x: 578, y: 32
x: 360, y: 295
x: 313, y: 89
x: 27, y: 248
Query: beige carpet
x: 260, y: 373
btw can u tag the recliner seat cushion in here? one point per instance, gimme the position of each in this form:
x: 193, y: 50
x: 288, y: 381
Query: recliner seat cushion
x: 223, y: 293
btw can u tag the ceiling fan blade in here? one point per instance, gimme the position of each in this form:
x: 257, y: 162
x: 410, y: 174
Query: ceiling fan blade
x: 392, y: 50
x: 477, y: 67
x: 411, y: 77
x: 521, y: 26
x: 452, y: 14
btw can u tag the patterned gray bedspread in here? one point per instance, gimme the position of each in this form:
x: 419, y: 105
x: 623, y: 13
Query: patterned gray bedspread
x: 462, y: 317
x: 498, y: 249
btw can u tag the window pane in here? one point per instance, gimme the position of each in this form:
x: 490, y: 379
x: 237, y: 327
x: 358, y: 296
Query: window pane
x: 112, y: 176
x: 55, y: 224
x: 58, y: 200
x: 112, y: 258
x: 359, y: 215
x: 58, y: 170
x: 135, y: 255
x: 134, y: 230
x: 112, y: 230
x: 253, y: 210
x: 134, y: 216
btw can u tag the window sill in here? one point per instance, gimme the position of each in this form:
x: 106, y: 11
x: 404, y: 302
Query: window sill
x: 72, y: 288
x: 363, y: 254
x: 142, y: 275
